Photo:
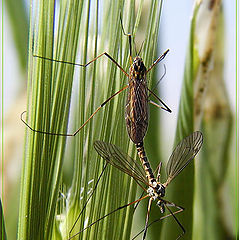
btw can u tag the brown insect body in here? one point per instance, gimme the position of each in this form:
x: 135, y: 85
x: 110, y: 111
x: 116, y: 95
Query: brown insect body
x: 136, y: 112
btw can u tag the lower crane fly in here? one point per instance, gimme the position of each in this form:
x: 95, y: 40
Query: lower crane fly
x: 182, y: 155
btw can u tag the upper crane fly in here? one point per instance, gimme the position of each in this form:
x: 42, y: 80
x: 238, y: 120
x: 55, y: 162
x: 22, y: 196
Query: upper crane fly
x: 136, y: 110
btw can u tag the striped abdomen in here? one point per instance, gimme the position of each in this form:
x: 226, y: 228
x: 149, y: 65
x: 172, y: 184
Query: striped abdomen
x: 145, y: 163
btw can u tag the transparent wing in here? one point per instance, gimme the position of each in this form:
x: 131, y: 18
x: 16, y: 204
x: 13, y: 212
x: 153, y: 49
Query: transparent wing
x: 184, y: 152
x: 116, y: 157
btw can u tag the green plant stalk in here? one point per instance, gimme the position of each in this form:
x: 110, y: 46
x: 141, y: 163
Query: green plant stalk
x: 49, y: 98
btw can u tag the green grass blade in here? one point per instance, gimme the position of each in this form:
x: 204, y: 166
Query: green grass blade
x: 49, y: 97
x: 19, y: 23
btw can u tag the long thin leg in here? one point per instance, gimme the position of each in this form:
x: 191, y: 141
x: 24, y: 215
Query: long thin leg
x: 159, y: 171
x: 136, y: 205
x: 129, y: 39
x: 155, y: 87
x: 159, y: 219
x: 147, y: 218
x: 166, y: 108
x: 85, y: 65
x: 85, y: 205
x: 119, y: 208
x: 157, y: 105
x: 75, y: 133
x: 180, y: 225
x: 158, y: 60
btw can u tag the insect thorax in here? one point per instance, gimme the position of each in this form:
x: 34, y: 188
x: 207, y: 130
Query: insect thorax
x: 137, y: 70
x: 156, y: 191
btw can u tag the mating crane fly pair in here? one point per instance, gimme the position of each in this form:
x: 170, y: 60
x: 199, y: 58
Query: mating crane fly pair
x: 136, y: 117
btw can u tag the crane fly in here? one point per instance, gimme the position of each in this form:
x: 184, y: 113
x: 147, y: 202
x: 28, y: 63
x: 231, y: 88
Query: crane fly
x: 182, y: 155
x: 136, y: 111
